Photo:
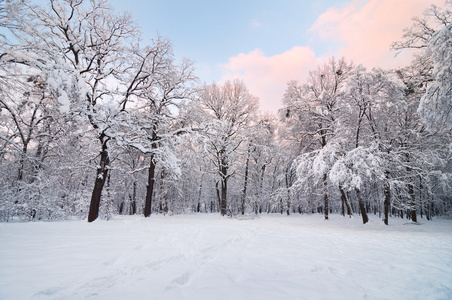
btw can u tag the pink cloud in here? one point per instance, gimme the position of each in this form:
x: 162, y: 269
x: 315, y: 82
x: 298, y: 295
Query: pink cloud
x: 267, y: 77
x: 366, y: 29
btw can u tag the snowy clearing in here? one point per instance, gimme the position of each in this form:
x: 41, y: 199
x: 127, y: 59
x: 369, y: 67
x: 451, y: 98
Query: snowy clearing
x: 210, y: 257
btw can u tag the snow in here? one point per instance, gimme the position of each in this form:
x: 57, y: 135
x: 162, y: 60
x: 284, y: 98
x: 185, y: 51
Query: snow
x: 64, y: 101
x: 206, y: 256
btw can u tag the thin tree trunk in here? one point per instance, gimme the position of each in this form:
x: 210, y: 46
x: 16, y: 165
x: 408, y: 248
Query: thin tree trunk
x: 101, y: 177
x: 387, y: 201
x: 245, y: 185
x: 218, y: 193
x: 325, y: 196
x: 134, y: 198
x: 345, y: 201
x: 361, y: 206
x: 342, y: 204
x: 198, y: 207
x: 224, y: 186
x: 20, y: 171
x: 163, y: 196
x: 257, y: 207
x: 150, y: 188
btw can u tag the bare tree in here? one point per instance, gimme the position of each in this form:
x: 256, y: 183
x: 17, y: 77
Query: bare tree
x: 228, y: 110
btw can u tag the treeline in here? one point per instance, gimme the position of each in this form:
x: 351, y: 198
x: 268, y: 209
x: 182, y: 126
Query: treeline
x: 94, y: 122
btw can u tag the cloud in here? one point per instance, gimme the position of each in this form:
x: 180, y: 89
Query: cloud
x: 362, y: 31
x: 267, y: 77
x: 365, y: 30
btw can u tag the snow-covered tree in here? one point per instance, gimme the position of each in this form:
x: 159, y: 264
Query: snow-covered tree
x: 149, y: 109
x: 436, y: 105
x: 312, y: 110
x: 227, y: 111
x: 432, y: 35
x: 356, y: 168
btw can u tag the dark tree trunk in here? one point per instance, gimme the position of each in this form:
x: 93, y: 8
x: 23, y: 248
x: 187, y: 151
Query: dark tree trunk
x: 150, y: 188
x: 20, y: 171
x: 421, y: 197
x: 387, y: 201
x: 245, y: 185
x: 224, y: 185
x: 362, y: 208
x: 325, y: 196
x: 257, y: 207
x: 163, y: 194
x: 412, y: 202
x: 134, y: 199
x: 345, y: 201
x: 224, y: 192
x: 101, y: 177
x: 218, y: 193
x: 288, y: 186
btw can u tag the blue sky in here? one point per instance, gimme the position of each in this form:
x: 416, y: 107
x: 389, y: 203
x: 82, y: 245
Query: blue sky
x: 210, y: 32
x: 268, y: 43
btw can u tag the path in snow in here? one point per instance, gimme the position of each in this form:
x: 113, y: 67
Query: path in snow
x: 210, y: 257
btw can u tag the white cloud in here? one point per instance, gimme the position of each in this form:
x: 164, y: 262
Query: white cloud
x: 364, y: 31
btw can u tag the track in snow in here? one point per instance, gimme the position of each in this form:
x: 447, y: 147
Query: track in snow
x: 207, y: 256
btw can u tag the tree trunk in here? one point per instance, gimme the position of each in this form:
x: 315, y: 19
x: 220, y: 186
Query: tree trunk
x: 218, y: 193
x: 288, y: 186
x: 412, y: 202
x: 224, y: 186
x: 121, y: 208
x: 245, y: 185
x: 163, y: 196
x: 150, y: 188
x: 325, y: 196
x: 387, y: 201
x: 101, y: 177
x: 224, y: 191
x: 198, y: 207
x: 134, y: 198
x: 362, y: 208
x: 345, y: 201
x: 257, y: 207
x: 342, y: 204
x: 20, y: 171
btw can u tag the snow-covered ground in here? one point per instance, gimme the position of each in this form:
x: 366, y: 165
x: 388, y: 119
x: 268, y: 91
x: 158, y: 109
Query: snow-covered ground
x: 210, y: 257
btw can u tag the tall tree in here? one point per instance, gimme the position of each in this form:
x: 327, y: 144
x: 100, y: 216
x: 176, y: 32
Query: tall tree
x: 313, y: 109
x: 431, y: 33
x: 149, y: 109
x: 227, y: 111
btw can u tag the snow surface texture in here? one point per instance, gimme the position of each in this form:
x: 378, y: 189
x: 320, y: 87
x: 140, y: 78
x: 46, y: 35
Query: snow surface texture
x: 210, y: 257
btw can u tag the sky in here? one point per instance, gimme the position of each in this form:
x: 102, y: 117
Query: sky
x: 267, y: 43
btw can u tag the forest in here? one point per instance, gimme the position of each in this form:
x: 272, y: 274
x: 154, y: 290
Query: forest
x: 95, y: 122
